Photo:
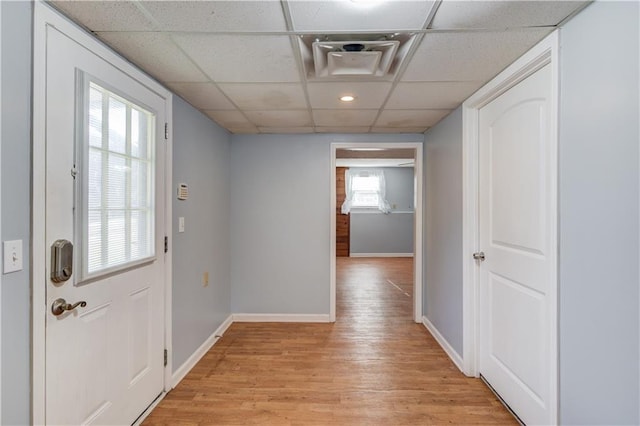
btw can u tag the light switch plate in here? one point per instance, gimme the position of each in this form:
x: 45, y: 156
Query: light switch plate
x: 181, y: 224
x: 12, y: 256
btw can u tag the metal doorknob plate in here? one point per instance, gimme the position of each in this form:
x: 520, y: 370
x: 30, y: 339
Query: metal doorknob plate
x: 478, y: 256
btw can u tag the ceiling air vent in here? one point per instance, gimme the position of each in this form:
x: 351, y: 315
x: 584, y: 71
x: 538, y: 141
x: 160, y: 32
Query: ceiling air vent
x: 366, y: 58
x: 354, y: 56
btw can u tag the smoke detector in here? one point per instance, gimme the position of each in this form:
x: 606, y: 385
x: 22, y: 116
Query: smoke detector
x: 349, y: 57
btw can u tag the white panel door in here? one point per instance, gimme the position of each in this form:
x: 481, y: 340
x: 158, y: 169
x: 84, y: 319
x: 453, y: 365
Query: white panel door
x: 104, y: 193
x: 516, y: 208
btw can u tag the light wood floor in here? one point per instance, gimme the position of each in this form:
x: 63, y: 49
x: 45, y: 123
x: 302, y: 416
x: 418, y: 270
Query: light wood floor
x: 374, y: 366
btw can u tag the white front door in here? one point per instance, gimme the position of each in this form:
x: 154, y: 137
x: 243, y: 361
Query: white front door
x: 104, y: 194
x: 516, y: 208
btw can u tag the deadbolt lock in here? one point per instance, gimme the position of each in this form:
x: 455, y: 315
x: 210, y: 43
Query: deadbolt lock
x: 61, y: 261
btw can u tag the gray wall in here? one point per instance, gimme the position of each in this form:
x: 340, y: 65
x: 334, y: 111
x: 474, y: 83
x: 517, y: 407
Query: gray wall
x: 16, y: 211
x: 201, y: 157
x: 599, y: 253
x: 442, y: 290
x: 280, y: 220
x: 375, y: 232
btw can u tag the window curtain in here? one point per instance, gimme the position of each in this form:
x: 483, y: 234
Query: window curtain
x: 348, y: 199
x: 383, y: 204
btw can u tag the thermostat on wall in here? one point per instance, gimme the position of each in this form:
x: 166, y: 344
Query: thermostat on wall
x: 183, y: 191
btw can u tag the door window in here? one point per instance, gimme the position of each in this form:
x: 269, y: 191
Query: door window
x: 116, y: 193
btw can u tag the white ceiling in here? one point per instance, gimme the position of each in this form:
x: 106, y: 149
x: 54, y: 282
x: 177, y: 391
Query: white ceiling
x: 240, y: 62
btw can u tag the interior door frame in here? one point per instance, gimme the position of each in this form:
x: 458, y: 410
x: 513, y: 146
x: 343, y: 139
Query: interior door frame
x: 417, y: 218
x: 45, y: 16
x: 1, y: 240
x: 545, y: 52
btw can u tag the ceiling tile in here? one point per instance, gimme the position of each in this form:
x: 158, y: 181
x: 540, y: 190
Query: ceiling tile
x: 432, y: 95
x: 469, y: 56
x: 242, y: 58
x: 368, y: 95
x: 266, y: 96
x: 155, y: 53
x: 244, y: 130
x: 399, y: 129
x: 203, y: 95
x: 342, y: 129
x: 230, y: 119
x: 106, y: 15
x: 294, y: 118
x: 285, y: 130
x: 217, y: 16
x: 455, y: 14
x: 352, y: 16
x: 410, y: 118
x: 344, y: 118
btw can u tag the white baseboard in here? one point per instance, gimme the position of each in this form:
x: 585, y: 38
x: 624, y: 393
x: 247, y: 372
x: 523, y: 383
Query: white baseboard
x: 184, y: 369
x: 281, y: 318
x: 455, y: 357
x: 380, y: 254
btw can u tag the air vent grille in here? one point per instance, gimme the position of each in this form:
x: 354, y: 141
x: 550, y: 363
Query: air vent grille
x: 337, y: 58
x: 349, y: 57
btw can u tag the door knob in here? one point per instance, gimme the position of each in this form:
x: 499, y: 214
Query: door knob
x: 479, y: 256
x: 59, y: 306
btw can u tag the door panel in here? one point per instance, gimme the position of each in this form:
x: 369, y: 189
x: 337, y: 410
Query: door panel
x: 515, y: 170
x: 104, y: 361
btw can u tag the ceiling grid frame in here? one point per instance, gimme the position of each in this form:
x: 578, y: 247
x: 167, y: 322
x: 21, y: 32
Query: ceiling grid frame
x: 413, y: 89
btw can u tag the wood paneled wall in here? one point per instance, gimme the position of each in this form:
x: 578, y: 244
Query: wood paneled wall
x: 342, y: 220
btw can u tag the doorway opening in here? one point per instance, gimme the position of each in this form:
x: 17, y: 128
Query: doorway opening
x: 371, y: 158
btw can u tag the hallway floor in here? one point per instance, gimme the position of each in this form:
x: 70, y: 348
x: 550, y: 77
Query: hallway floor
x: 374, y: 366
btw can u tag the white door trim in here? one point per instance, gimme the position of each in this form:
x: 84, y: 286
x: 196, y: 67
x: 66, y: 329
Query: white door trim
x: 545, y: 52
x: 1, y: 216
x: 417, y: 217
x: 45, y: 16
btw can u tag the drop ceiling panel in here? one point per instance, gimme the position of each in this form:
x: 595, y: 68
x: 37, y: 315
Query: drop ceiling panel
x: 399, y: 129
x: 156, y: 53
x: 469, y: 56
x: 106, y: 15
x: 344, y: 118
x: 217, y: 16
x: 432, y: 95
x: 454, y: 14
x: 244, y: 130
x: 203, y: 95
x: 286, y: 130
x: 241, y: 58
x: 360, y: 129
x: 410, y: 118
x: 230, y: 119
x: 266, y: 96
x: 327, y: 95
x: 354, y: 16
x: 295, y: 118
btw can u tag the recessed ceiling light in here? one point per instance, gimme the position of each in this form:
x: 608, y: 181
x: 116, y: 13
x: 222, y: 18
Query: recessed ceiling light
x: 347, y: 98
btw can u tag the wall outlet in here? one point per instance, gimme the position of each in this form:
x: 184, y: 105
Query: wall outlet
x: 205, y: 279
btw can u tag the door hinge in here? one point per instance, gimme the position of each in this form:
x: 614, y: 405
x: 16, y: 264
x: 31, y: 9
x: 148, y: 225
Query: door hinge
x: 166, y: 244
x: 166, y: 131
x: 166, y: 356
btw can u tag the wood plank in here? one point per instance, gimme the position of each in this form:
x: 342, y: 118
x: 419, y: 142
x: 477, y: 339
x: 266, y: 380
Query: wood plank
x: 343, y: 222
x: 374, y: 366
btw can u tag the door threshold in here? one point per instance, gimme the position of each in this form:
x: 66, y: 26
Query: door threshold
x: 149, y: 409
x: 502, y: 401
